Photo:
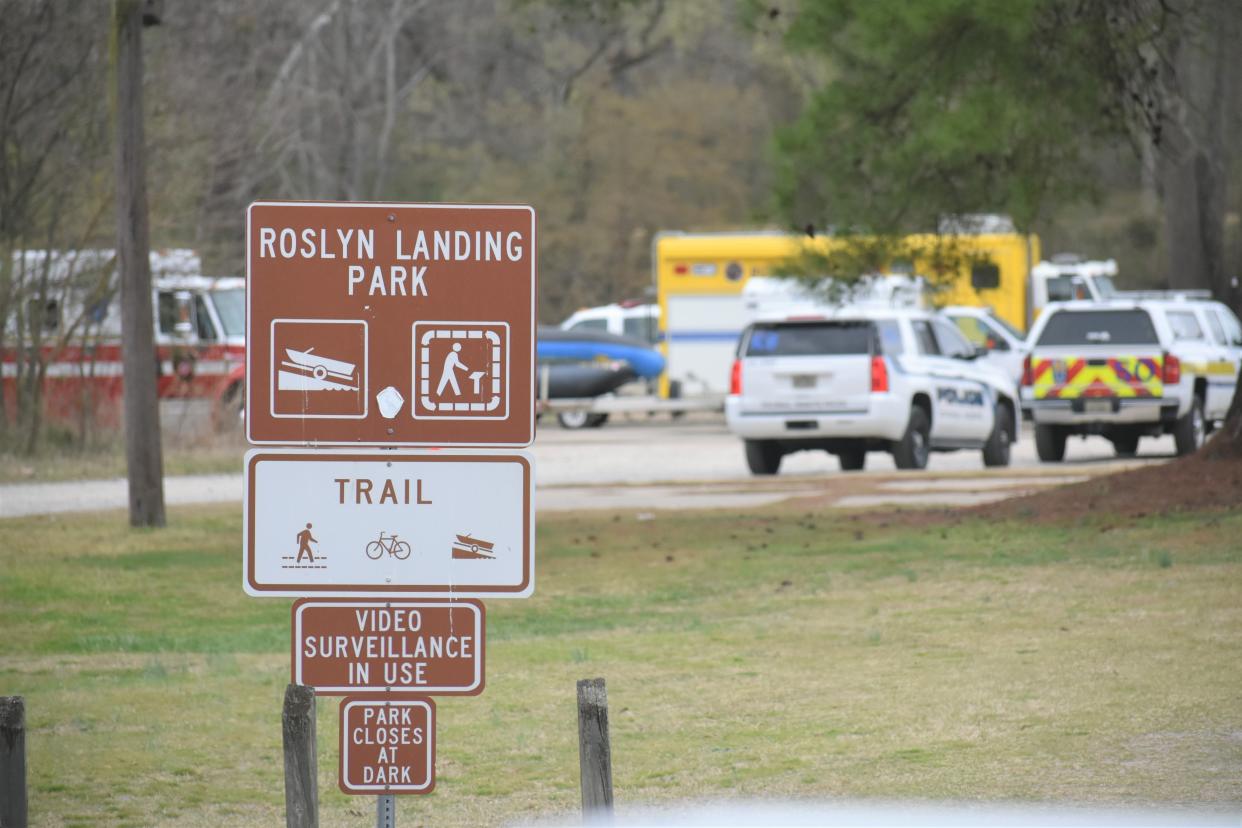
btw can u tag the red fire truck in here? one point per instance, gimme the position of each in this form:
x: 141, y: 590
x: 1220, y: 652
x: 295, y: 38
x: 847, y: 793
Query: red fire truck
x: 199, y: 336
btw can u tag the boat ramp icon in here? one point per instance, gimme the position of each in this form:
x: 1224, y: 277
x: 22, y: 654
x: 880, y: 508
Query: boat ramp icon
x: 308, y: 371
x: 468, y: 548
x: 319, y: 368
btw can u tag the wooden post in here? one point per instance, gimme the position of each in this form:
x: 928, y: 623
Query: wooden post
x: 143, y: 454
x: 301, y: 764
x: 12, y: 762
x: 594, y: 751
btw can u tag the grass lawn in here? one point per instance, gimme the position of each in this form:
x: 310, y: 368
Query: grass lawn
x: 775, y: 653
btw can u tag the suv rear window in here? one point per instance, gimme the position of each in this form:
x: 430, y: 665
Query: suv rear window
x: 810, y: 339
x: 1102, y: 327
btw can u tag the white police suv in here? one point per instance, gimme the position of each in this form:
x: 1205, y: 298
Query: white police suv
x: 858, y: 379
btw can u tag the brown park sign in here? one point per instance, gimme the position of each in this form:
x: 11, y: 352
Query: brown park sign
x: 388, y: 746
x: 390, y: 324
x: 379, y: 646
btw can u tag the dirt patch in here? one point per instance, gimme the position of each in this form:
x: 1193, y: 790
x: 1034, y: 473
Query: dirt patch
x: 1210, y: 480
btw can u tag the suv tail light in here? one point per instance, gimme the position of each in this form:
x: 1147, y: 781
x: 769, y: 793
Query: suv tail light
x: 735, y: 378
x: 879, y: 374
x: 1028, y: 375
x: 1172, y: 372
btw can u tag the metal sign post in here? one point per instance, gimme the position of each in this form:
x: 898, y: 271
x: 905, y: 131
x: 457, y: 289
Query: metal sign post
x: 386, y: 811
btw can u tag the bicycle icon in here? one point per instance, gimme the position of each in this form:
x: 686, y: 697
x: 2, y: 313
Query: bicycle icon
x: 399, y: 549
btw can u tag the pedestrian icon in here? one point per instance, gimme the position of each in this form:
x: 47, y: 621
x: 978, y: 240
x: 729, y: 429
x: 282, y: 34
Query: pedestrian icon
x: 305, y: 539
x: 308, y: 557
x: 319, y: 368
x: 449, y: 375
x: 461, y: 370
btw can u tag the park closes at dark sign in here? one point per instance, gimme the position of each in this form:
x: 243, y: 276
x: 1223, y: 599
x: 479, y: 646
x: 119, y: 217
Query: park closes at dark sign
x: 363, y: 646
x: 387, y: 746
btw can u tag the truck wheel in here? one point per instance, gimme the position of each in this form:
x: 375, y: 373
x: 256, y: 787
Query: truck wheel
x: 763, y: 456
x: 852, y: 459
x: 996, y: 449
x: 913, y: 449
x: 1188, y: 431
x: 1050, y: 443
x: 581, y: 419
x: 1125, y: 445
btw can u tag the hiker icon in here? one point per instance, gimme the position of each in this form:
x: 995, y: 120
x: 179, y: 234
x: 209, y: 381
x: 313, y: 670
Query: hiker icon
x: 460, y: 370
x: 448, y: 376
x: 305, y: 539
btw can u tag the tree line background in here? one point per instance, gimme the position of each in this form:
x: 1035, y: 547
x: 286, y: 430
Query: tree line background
x: 1105, y: 126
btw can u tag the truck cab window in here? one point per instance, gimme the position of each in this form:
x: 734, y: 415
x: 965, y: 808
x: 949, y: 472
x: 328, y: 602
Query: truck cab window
x: 639, y: 327
x: 1061, y: 289
x: 1184, y: 325
x: 167, y: 308
x: 203, y: 325
x: 1218, y: 331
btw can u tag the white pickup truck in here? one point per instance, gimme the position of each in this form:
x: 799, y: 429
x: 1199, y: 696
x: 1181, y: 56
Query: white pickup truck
x: 856, y: 379
x: 1126, y: 369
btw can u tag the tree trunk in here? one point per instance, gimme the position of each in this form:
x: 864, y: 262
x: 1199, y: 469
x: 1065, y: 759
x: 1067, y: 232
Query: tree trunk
x: 1195, y: 160
x: 1195, y: 151
x: 143, y: 455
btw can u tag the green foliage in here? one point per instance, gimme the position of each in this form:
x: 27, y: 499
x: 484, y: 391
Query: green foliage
x: 944, y: 107
x: 832, y: 272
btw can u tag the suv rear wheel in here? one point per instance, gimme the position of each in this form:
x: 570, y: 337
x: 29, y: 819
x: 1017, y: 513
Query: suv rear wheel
x: 763, y: 456
x: 1188, y: 431
x: 852, y: 459
x: 1050, y: 443
x: 996, y: 449
x: 912, y: 450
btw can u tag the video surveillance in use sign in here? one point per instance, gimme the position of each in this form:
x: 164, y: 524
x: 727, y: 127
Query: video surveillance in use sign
x: 390, y: 324
x: 379, y: 646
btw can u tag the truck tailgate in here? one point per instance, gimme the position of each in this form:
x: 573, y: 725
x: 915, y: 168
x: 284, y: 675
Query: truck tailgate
x: 1068, y: 377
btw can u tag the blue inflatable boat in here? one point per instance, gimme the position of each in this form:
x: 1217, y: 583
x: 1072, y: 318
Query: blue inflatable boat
x: 556, y: 345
